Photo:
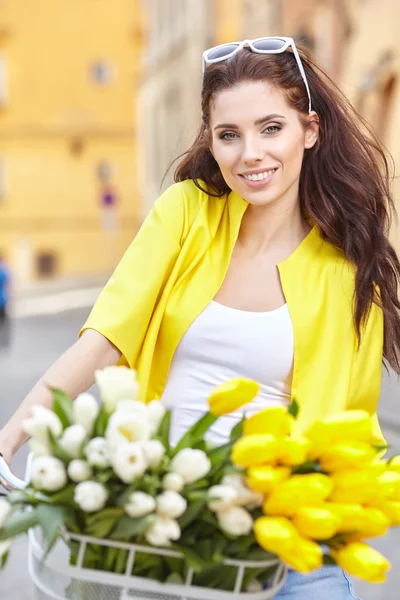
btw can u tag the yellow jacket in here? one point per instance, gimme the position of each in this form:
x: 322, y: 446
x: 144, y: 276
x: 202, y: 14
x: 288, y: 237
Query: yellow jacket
x: 175, y: 266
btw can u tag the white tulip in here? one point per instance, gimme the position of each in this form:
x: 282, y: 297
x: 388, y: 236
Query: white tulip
x: 254, y: 586
x: 139, y: 505
x: 48, y: 473
x: 171, y: 505
x: 116, y: 383
x: 162, y: 532
x: 156, y: 412
x: 42, y: 420
x: 133, y: 406
x: 97, y: 453
x: 79, y: 470
x: 235, y: 521
x: 72, y: 440
x: 5, y: 511
x: 40, y: 447
x: 4, y: 546
x: 246, y: 497
x: 90, y: 496
x: 129, y: 462
x: 191, y: 464
x: 154, y: 452
x: 125, y: 428
x: 86, y: 410
x: 225, y: 497
x: 174, y: 482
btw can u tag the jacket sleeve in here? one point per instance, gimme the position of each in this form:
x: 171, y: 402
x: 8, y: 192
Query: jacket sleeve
x: 366, y: 375
x: 123, y: 310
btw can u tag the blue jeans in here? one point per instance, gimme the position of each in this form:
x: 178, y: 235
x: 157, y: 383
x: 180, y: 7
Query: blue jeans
x: 328, y: 583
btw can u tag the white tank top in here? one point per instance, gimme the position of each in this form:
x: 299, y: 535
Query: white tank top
x: 223, y: 343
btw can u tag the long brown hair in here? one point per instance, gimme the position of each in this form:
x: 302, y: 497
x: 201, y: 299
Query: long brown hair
x: 344, y: 181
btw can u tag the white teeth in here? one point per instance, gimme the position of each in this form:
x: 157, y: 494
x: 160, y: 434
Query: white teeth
x: 259, y: 176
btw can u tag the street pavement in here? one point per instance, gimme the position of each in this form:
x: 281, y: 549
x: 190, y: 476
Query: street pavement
x: 38, y: 340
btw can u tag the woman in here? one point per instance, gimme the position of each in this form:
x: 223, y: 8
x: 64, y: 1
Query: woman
x: 268, y: 258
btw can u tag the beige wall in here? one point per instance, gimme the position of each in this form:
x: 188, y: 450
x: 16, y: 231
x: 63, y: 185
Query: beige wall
x: 58, y: 124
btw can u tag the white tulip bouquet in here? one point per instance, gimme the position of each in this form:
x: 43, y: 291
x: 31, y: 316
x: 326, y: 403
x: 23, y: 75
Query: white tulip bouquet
x: 108, y: 471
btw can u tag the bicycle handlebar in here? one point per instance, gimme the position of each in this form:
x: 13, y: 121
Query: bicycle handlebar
x: 7, y: 479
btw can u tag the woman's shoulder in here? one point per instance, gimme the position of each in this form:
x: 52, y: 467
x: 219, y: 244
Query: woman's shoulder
x: 183, y: 202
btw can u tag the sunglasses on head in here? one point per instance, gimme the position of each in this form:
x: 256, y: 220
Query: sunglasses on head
x: 265, y: 45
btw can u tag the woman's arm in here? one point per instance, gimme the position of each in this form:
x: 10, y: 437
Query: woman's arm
x: 73, y: 372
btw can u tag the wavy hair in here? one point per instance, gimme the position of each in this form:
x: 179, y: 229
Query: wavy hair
x: 344, y: 182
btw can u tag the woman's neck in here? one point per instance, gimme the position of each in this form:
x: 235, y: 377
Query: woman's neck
x: 266, y: 229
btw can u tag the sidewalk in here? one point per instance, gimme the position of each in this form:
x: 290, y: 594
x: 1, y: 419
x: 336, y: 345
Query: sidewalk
x: 56, y: 295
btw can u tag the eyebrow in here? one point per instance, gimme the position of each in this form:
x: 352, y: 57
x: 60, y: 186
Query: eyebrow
x: 258, y: 122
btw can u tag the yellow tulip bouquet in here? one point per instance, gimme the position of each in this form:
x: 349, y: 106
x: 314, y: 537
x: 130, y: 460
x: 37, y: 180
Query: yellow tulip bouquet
x: 325, y: 492
x: 109, y: 472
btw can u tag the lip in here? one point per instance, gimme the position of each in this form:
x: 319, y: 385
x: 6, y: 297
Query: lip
x: 259, y: 184
x: 257, y: 171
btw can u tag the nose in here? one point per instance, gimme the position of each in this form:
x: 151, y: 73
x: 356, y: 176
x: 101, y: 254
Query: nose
x: 252, y: 150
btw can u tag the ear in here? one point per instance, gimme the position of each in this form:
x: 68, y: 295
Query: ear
x: 312, y: 130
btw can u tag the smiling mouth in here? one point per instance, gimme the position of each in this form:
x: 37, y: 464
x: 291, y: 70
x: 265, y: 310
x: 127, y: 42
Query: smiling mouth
x: 259, y: 176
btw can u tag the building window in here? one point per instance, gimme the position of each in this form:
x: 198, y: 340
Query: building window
x: 3, y: 81
x: 46, y: 264
x: 102, y: 72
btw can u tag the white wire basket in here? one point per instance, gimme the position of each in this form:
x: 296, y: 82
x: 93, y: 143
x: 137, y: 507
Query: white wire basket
x: 55, y: 579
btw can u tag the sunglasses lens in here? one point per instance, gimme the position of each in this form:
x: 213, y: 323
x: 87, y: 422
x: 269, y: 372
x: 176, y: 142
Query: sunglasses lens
x: 221, y: 52
x: 269, y: 44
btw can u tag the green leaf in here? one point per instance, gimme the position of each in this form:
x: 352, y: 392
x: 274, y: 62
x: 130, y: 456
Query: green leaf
x: 191, y: 513
x: 50, y: 519
x: 3, y: 560
x: 294, y: 408
x: 58, y: 450
x: 307, y: 467
x: 101, y: 422
x: 128, y: 528
x: 18, y: 523
x: 237, y: 431
x: 192, y: 558
x: 110, y: 555
x: 64, y: 496
x: 120, y: 563
x: 102, y: 523
x: 381, y: 447
x: 63, y: 407
x: 328, y: 560
x: 164, y: 430
x: 195, y: 433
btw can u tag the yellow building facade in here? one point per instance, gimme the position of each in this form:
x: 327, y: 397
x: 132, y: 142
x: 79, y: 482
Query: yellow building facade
x: 69, y: 201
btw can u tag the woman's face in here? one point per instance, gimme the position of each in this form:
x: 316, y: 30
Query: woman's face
x: 258, y: 142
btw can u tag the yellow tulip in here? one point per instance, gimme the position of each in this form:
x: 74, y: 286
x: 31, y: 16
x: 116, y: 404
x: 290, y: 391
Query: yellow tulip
x: 233, y: 394
x: 275, y: 534
x: 393, y: 464
x: 346, y: 455
x: 370, y: 522
x: 360, y: 560
x: 279, y: 536
x: 300, y: 490
x: 263, y: 479
x: 391, y: 508
x: 389, y: 484
x: 349, y: 425
x: 293, y: 450
x: 254, y: 450
x: 276, y: 421
x: 317, y: 522
x: 305, y: 556
x: 348, y: 513
x: 354, y: 486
